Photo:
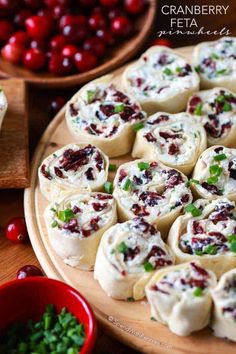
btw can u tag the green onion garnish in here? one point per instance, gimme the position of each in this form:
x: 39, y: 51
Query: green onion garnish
x: 119, y: 108
x: 112, y: 167
x: 108, y: 187
x: 220, y: 157
x: 221, y: 72
x: 191, y: 208
x: 148, y: 267
x: 143, y: 165
x: 198, y: 68
x: 127, y: 185
x: 167, y: 71
x: 192, y: 181
x: 90, y: 95
x: 212, y: 180
x: 122, y: 247
x: 215, y: 56
x: 54, y: 224
x: 65, y: 215
x: 216, y: 170
x: 178, y: 69
x: 198, y: 291
x: 138, y: 126
x: 220, y: 99
x: 227, y: 107
x: 233, y: 246
x: 198, y: 109
x: 210, y: 249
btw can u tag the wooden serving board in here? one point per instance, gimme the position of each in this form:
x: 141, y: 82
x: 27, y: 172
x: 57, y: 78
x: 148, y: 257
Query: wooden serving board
x: 14, y: 167
x: 127, y: 321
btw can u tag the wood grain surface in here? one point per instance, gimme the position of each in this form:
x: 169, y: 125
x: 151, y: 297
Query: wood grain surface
x: 14, y: 166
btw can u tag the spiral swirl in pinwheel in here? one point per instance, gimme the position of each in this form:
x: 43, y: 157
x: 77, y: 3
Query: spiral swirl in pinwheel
x: 3, y: 106
x: 100, y: 114
x: 75, y: 225
x: 224, y: 299
x: 179, y: 297
x: 177, y: 140
x: 161, y: 80
x: 127, y: 257
x: 78, y: 168
x: 216, y: 110
x: 215, y: 173
x: 151, y: 190
x: 216, y: 63
x: 207, y: 232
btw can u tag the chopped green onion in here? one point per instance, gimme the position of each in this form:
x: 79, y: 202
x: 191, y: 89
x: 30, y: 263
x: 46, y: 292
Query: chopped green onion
x: 148, y: 267
x: 231, y: 237
x: 221, y: 72
x: 227, y: 107
x: 119, y: 108
x: 210, y: 249
x: 212, y: 180
x: 90, y: 95
x: 233, y: 246
x: 167, y: 71
x: 112, y: 167
x: 54, y: 224
x: 216, y: 170
x: 198, y: 291
x: 215, y: 56
x: 199, y: 253
x: 220, y: 99
x: 138, y: 126
x: 122, y: 247
x: 191, y: 181
x: 198, y: 109
x: 198, y: 68
x: 65, y: 215
x: 191, y: 208
x: 108, y: 187
x: 143, y: 165
x: 178, y: 69
x: 127, y: 185
x: 220, y: 157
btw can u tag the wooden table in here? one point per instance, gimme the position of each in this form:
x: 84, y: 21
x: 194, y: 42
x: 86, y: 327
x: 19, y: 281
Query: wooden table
x: 13, y: 256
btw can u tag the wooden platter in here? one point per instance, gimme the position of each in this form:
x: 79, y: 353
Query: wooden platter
x: 118, y: 55
x: 14, y: 169
x: 127, y: 321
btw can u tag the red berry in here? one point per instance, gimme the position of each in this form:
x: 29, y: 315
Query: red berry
x: 106, y: 36
x: 20, y: 17
x: 57, y: 42
x: 116, y: 12
x: 162, y: 41
x: 79, y: 20
x: 38, y: 26
x: 46, y: 12
x: 97, y: 21
x: 12, y: 52
x: 34, y: 59
x: 98, y: 10
x: 28, y: 270
x: 6, y: 30
x: 120, y: 26
x: 95, y: 46
x: 34, y: 4
x: 56, y: 104
x: 73, y: 33
x: 109, y: 3
x: 38, y: 43
x: 59, y: 11
x: 135, y: 6
x: 52, y: 3
x: 85, y: 61
x: 69, y: 50
x: 87, y: 3
x: 16, y: 230
x: 60, y: 65
x: 19, y: 37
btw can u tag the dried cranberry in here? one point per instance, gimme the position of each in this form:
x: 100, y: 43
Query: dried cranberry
x: 184, y: 199
x: 197, y: 228
x: 218, y: 235
x: 131, y: 253
x: 166, y: 135
x: 199, y: 270
x: 139, y: 210
x: 232, y: 170
x: 211, y: 188
x: 103, y: 196
x: 163, y: 59
x: 173, y: 178
x: 218, y: 149
x: 73, y: 111
x: 150, y: 137
x: 94, y: 223
x: 45, y: 173
x: 76, y: 210
x: 173, y: 149
x: 144, y: 226
x: 58, y: 172
x: 89, y: 174
x: 208, y: 62
x: 195, y: 100
x: 72, y: 226
x: 211, y: 130
x: 150, y: 198
x: 185, y: 71
x: 99, y: 206
x: 161, y: 118
x: 122, y: 175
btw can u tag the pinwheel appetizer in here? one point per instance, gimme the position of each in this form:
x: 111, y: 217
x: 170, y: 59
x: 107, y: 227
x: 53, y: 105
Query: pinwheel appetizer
x: 177, y: 140
x: 224, y: 298
x: 74, y: 168
x: 75, y: 225
x: 216, y: 110
x: 216, y: 63
x: 161, y: 80
x: 128, y: 255
x: 179, y: 297
x: 207, y: 232
x: 3, y: 106
x: 100, y: 114
x: 215, y: 173
x: 149, y: 189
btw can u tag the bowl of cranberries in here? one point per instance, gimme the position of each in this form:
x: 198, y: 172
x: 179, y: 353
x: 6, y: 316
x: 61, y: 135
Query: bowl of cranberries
x: 47, y: 42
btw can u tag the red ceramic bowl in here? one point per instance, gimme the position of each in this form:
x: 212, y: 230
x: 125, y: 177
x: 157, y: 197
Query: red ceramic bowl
x: 24, y: 299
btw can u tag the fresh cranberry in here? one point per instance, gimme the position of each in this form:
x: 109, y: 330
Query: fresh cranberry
x: 97, y: 21
x: 109, y: 3
x: 95, y: 45
x: 34, y: 59
x: 34, y: 4
x: 79, y: 20
x: 163, y: 41
x: 6, y: 30
x: 135, y: 6
x: 38, y: 26
x: 60, y: 65
x: 16, y: 230
x: 6, y: 7
x: 120, y: 26
x: 52, y: 3
x: 57, y: 42
x: 106, y: 36
x: 87, y: 3
x: 28, y: 270
x: 98, y: 10
x: 59, y: 11
x: 38, y: 43
x: 73, y: 33
x: 85, y: 61
x: 69, y: 50
x: 20, y: 17
x: 46, y: 12
x: 116, y: 12
x: 56, y: 104
x: 20, y: 38
x: 12, y: 52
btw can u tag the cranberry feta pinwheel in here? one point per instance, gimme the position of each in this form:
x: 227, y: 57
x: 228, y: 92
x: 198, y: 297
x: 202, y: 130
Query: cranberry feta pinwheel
x: 216, y: 110
x: 128, y: 255
x: 75, y: 167
x: 215, y: 173
x: 206, y: 232
x: 224, y: 299
x: 180, y: 297
x: 100, y: 114
x: 177, y: 140
x: 151, y: 190
x: 161, y: 80
x: 76, y: 223
x: 3, y: 106
x: 216, y: 63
